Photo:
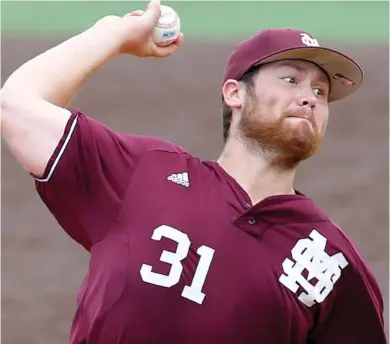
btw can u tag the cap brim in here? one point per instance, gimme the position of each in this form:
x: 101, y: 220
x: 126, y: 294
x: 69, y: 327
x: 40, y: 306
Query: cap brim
x: 345, y: 75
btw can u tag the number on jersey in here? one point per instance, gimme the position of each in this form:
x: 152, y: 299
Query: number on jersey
x: 192, y: 292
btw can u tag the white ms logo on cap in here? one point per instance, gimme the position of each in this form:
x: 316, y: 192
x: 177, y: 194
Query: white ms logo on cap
x: 309, y: 41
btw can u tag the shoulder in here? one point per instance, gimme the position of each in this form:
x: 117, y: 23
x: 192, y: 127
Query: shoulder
x: 152, y: 143
x: 336, y: 238
x: 338, y: 241
x: 102, y: 134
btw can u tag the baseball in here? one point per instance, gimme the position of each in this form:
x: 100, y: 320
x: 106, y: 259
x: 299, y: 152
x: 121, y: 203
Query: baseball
x: 168, y: 27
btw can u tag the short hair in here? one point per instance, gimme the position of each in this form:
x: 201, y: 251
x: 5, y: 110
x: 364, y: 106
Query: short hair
x: 248, y: 80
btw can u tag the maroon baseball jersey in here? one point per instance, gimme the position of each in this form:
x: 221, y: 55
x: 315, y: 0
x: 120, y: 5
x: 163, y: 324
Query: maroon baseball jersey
x: 179, y: 255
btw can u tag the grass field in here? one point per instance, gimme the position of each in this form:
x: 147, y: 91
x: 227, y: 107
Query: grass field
x: 360, y: 22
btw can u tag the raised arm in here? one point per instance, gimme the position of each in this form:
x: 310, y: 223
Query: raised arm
x: 34, y: 97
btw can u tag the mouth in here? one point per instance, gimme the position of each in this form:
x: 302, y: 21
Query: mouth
x: 300, y: 117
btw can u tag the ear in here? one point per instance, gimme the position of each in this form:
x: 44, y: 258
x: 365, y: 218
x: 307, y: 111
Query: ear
x: 231, y: 93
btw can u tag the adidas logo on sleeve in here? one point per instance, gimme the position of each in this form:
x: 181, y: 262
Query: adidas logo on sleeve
x: 180, y: 179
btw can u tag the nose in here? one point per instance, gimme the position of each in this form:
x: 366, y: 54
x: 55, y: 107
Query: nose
x: 308, y: 100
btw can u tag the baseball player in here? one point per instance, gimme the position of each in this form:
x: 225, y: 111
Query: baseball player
x: 190, y: 251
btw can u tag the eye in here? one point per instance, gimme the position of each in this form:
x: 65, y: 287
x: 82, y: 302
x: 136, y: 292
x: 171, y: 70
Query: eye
x: 290, y: 79
x: 319, y: 92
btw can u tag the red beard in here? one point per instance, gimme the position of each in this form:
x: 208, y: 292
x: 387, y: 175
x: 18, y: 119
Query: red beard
x: 285, y: 142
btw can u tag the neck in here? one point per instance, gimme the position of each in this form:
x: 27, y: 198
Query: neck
x: 255, y: 172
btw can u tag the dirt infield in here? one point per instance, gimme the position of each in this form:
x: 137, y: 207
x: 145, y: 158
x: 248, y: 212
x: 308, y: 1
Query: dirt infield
x: 178, y: 99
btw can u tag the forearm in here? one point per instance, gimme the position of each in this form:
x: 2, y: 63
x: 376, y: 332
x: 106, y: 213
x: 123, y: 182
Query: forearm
x: 57, y: 74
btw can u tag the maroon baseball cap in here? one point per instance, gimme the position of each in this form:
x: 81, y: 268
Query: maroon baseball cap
x: 272, y: 45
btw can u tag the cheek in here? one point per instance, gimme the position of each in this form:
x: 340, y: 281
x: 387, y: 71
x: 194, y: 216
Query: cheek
x: 272, y: 102
x: 322, y: 118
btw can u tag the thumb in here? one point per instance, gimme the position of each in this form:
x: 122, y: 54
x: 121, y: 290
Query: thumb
x: 153, y: 12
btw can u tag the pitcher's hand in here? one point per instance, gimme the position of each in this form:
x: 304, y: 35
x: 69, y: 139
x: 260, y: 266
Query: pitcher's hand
x: 135, y: 29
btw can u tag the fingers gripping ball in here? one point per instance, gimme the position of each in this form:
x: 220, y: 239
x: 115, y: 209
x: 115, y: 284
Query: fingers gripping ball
x: 167, y: 29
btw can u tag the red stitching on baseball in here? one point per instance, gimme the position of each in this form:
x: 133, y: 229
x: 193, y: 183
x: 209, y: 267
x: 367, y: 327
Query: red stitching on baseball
x: 167, y: 26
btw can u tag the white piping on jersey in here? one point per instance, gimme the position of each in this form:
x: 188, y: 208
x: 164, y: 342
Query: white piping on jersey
x: 56, y: 161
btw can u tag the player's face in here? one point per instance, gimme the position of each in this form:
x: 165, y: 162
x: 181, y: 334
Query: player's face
x: 287, y: 110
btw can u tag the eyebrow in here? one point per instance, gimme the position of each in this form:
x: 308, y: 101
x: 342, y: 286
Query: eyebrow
x: 322, y: 76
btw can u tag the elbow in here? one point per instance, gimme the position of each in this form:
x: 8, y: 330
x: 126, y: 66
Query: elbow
x: 12, y: 102
x: 8, y: 101
x: 8, y: 105
x: 5, y: 103
x: 14, y: 94
x: 14, y: 108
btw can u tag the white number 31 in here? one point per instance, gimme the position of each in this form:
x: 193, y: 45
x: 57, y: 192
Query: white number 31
x: 192, y: 292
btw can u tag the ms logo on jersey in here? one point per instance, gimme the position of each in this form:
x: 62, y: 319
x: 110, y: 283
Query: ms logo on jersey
x: 309, y: 254
x: 309, y: 41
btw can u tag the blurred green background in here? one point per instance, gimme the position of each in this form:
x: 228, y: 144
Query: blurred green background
x: 358, y: 21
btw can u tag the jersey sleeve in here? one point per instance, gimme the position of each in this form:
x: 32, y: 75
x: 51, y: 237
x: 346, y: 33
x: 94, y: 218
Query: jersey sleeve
x: 88, y: 174
x: 356, y: 314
